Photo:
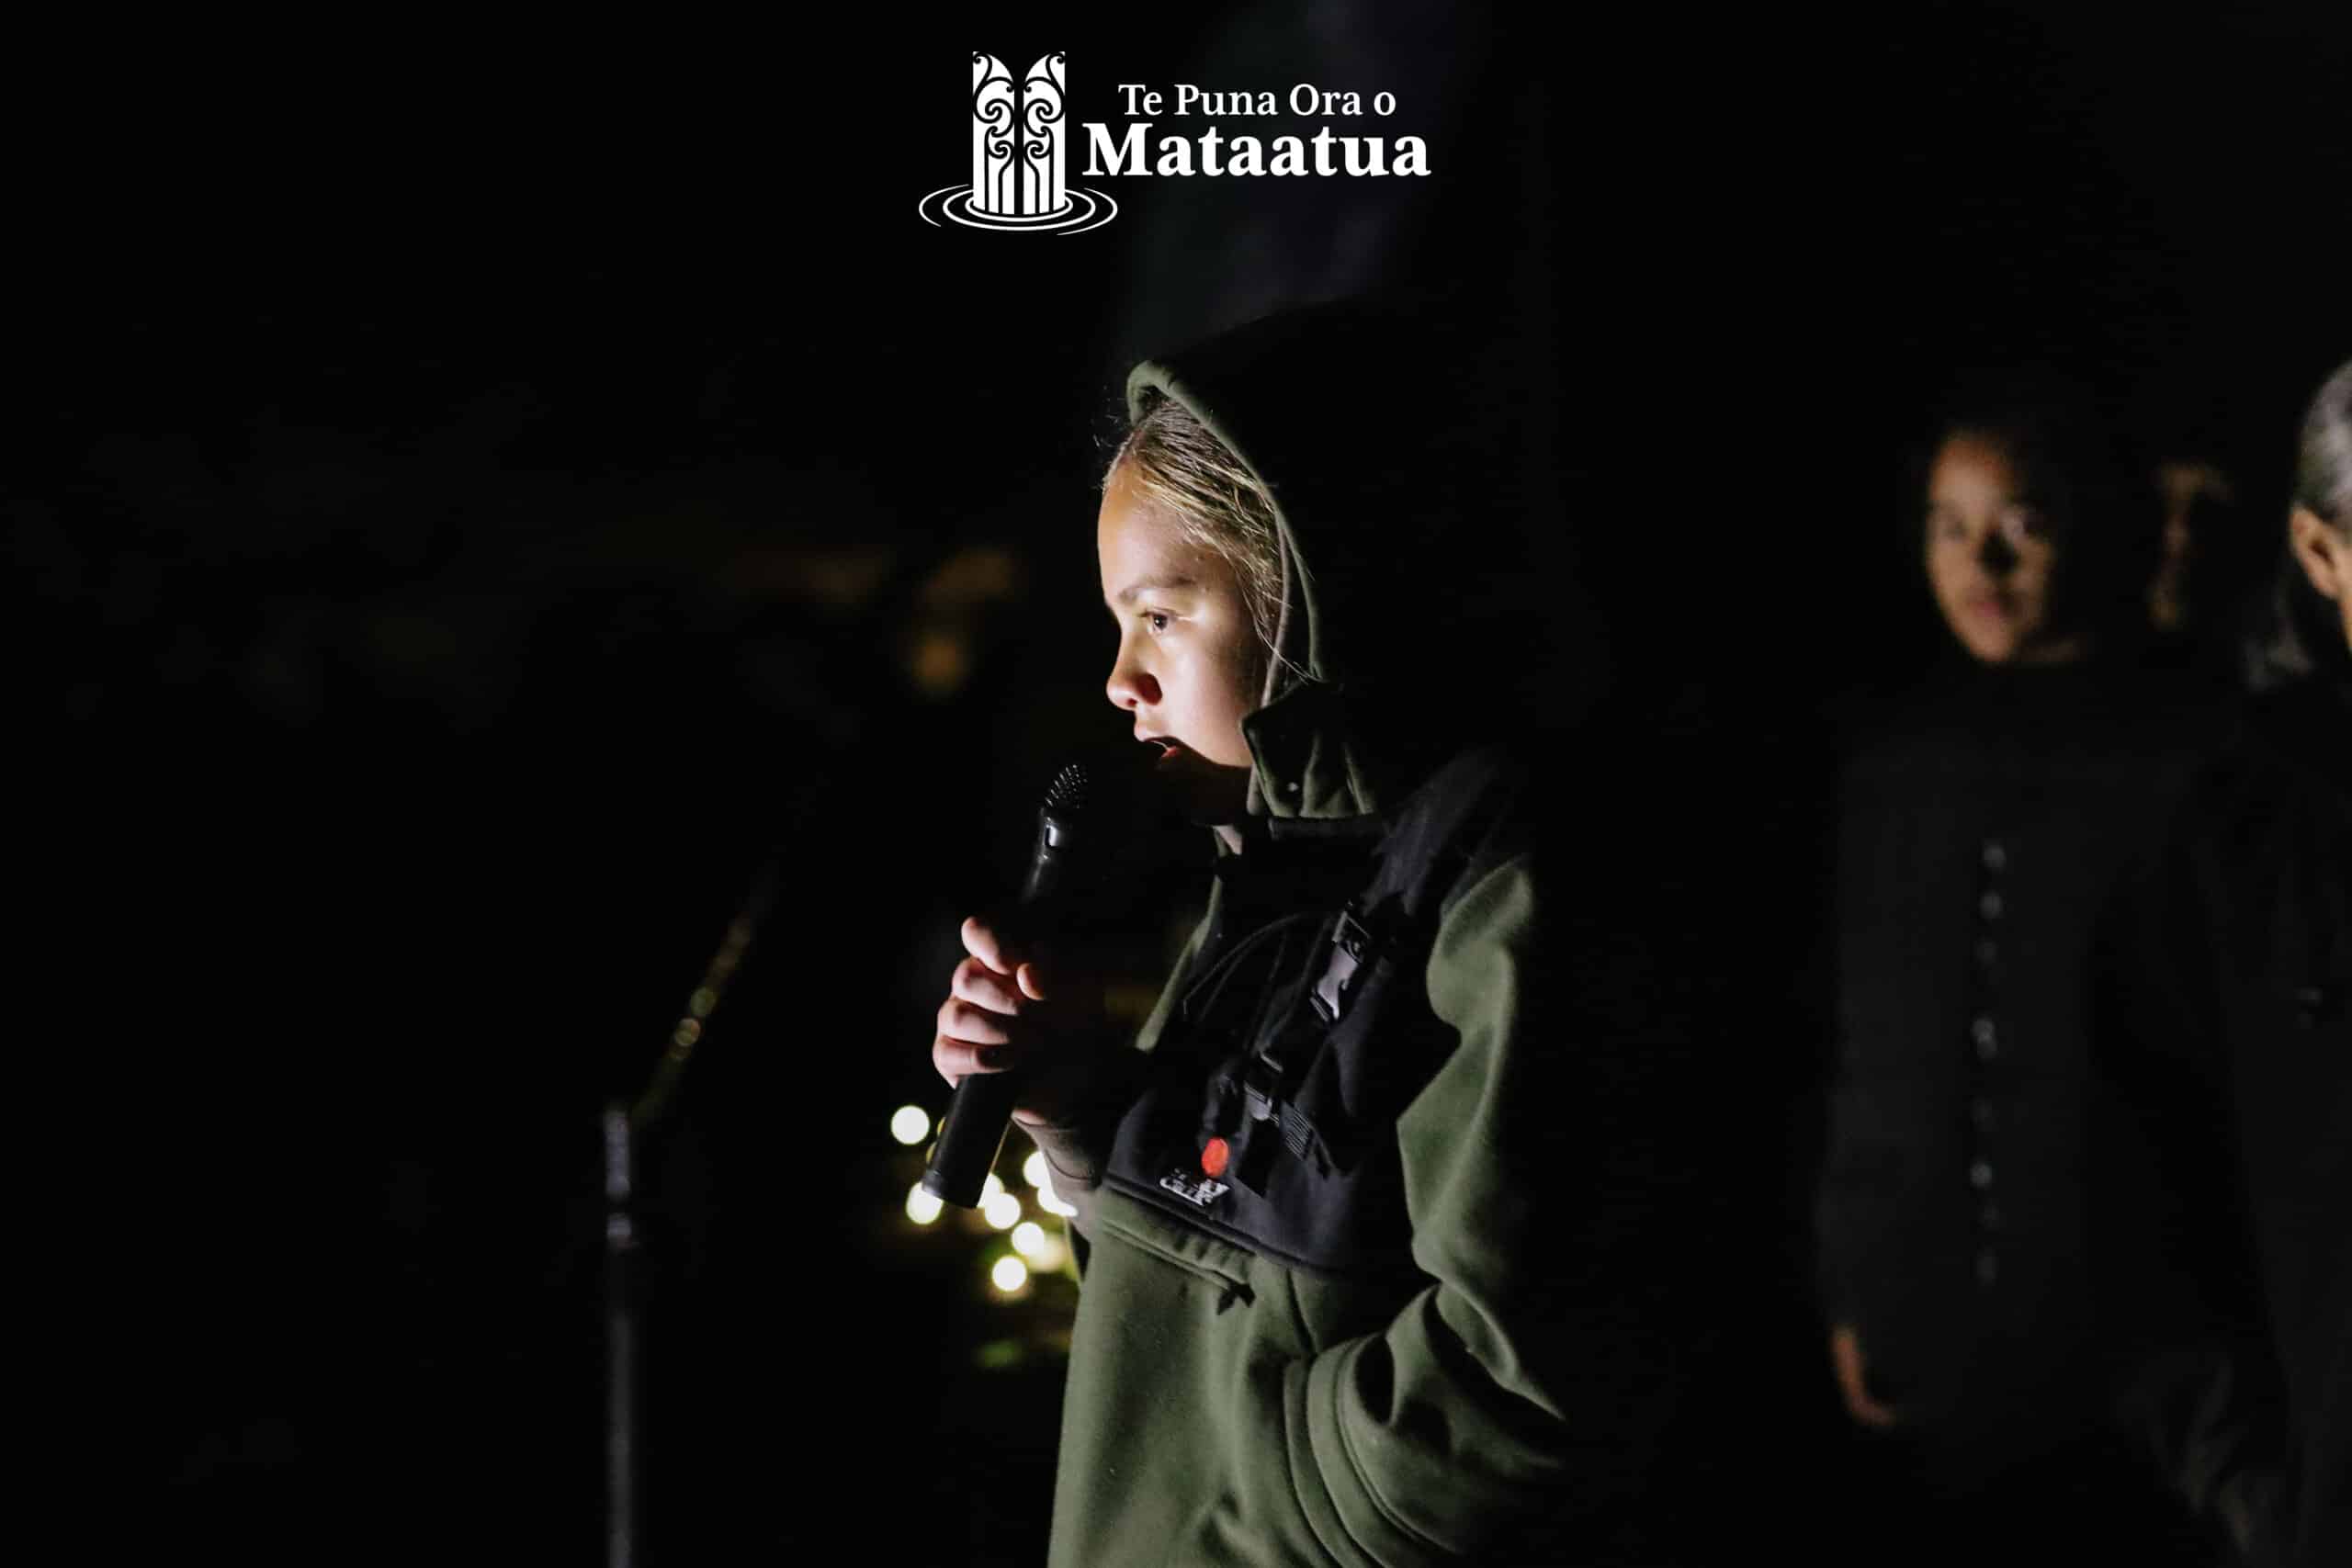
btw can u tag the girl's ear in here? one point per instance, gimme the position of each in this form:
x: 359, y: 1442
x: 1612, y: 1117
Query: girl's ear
x: 2324, y: 555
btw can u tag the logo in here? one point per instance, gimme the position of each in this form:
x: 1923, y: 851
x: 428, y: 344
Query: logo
x: 1019, y: 158
x: 1199, y: 1191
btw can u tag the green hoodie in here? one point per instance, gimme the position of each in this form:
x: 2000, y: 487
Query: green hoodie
x: 1488, y: 1394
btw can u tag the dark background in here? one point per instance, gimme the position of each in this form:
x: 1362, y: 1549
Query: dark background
x: 473, y: 498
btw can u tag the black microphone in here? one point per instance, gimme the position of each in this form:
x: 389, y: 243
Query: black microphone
x: 981, y: 1107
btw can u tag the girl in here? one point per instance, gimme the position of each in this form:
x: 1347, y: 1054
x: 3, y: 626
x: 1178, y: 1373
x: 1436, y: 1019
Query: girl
x: 1358, y: 1282
x: 1980, y: 833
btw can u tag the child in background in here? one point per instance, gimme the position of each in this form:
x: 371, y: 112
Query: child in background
x: 1981, y: 833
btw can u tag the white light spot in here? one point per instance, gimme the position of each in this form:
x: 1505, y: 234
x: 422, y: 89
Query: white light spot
x: 909, y: 1124
x: 1033, y: 1169
x: 921, y: 1207
x: 1029, y: 1239
x: 1009, y: 1274
x: 1002, y: 1212
x: 992, y: 1186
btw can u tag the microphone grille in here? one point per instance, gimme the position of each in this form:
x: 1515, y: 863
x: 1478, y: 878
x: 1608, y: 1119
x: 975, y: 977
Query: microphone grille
x: 1067, y: 795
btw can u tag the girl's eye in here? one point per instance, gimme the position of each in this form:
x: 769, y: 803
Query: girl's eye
x: 1157, y: 620
x: 2021, y: 523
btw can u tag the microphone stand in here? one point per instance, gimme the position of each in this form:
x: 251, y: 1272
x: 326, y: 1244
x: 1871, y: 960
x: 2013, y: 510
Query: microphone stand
x: 625, y: 1125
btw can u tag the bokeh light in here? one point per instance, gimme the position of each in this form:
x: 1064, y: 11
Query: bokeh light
x: 909, y: 1124
x: 1009, y: 1274
x: 922, y: 1207
x: 1039, y: 1248
x: 1003, y: 1210
x: 1033, y: 1169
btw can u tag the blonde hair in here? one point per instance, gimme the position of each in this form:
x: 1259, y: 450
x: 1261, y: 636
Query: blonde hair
x: 1219, y: 504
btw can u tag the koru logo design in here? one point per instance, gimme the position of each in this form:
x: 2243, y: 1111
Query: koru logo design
x: 1019, y: 156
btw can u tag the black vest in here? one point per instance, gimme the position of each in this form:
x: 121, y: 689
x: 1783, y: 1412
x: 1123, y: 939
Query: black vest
x: 1304, y: 1029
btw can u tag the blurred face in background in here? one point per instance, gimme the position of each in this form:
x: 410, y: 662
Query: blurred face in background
x: 1993, y: 549
x: 2195, y: 494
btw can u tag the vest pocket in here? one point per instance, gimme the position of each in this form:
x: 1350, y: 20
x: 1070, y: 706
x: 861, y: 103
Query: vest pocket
x: 1220, y: 1265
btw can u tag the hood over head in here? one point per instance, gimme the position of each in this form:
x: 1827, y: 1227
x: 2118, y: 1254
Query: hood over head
x: 1411, y: 506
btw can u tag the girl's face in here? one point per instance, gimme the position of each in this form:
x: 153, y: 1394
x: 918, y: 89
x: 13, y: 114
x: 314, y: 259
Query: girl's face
x: 1992, y: 554
x: 1186, y: 666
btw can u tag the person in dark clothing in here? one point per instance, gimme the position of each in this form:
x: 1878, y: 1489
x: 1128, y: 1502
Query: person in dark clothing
x: 2224, y: 1128
x: 1979, y: 832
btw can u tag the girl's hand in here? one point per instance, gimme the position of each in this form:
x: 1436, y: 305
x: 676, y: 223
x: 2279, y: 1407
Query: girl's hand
x: 1004, y: 1010
x: 1846, y: 1360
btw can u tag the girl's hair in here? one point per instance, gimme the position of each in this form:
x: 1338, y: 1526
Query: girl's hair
x: 1220, y: 505
x: 2299, y: 637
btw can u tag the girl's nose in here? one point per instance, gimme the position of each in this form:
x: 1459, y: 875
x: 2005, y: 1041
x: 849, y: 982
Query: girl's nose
x: 1129, y: 687
x: 1997, y: 555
